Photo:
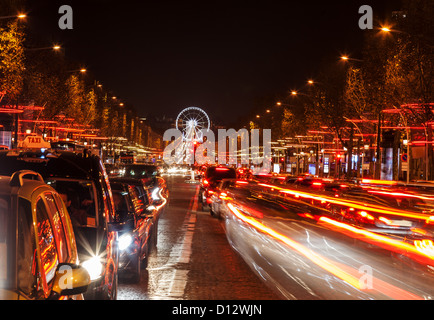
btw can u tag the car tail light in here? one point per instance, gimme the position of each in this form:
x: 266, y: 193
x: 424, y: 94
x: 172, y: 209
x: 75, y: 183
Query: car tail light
x: 365, y: 217
x: 306, y: 215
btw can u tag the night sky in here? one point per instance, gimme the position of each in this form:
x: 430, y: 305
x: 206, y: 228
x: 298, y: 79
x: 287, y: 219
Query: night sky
x: 222, y: 56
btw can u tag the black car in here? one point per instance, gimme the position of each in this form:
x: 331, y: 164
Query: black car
x: 148, y: 176
x: 153, y: 198
x: 82, y: 182
x: 209, y: 182
x: 220, y: 194
x: 136, y: 215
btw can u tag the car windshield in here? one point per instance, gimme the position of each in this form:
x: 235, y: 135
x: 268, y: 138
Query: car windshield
x: 79, y: 198
x: 4, y: 208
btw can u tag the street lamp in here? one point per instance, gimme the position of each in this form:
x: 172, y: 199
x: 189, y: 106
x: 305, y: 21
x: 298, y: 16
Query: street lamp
x: 419, y: 38
x: 82, y: 70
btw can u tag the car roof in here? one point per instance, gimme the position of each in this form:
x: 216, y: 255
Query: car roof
x: 118, y: 185
x: 26, y: 190
x: 132, y: 181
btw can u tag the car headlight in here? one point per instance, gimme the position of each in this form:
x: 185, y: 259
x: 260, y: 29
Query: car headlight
x: 93, y: 267
x: 124, y: 241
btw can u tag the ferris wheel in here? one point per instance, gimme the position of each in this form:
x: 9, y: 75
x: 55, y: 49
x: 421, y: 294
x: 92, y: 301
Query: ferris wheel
x: 190, y: 122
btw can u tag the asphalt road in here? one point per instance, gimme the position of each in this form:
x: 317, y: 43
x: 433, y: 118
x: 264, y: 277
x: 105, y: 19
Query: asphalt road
x: 193, y: 259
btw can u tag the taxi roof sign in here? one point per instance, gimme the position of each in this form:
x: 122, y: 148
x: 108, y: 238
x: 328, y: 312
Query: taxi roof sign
x: 34, y: 142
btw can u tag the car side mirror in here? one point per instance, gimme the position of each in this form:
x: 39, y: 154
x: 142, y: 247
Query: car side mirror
x: 70, y: 279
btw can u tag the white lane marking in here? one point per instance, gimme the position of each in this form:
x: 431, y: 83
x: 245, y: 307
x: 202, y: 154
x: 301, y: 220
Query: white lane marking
x: 177, y: 286
x: 188, y: 241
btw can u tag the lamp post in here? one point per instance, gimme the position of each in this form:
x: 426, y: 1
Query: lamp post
x: 347, y: 58
x: 420, y: 40
x: 363, y: 151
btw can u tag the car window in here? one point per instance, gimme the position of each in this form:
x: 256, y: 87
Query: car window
x: 220, y: 173
x: 63, y: 216
x: 26, y: 254
x: 79, y: 197
x: 59, y: 230
x: 4, y: 209
x: 229, y: 184
x: 47, y: 243
x: 120, y: 199
x: 142, y: 194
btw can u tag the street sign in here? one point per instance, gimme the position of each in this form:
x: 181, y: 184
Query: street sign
x: 404, y: 157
